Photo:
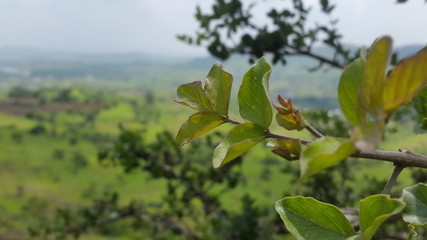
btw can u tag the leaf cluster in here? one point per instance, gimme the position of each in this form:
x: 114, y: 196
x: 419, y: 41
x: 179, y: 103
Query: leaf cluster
x: 368, y: 96
x: 286, y: 34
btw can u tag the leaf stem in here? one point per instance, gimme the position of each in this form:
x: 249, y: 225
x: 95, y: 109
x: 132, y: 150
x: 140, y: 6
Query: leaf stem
x: 397, y: 170
x: 271, y: 134
x: 228, y: 119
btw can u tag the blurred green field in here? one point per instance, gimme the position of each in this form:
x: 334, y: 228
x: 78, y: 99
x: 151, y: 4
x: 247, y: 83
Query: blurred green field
x: 50, y: 136
x: 44, y: 169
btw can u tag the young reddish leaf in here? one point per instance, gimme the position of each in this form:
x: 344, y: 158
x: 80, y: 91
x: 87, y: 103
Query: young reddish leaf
x: 254, y: 104
x: 374, y: 210
x: 406, y: 81
x: 323, y: 153
x: 287, y: 148
x: 218, y: 89
x: 238, y: 141
x: 371, y: 87
x: 348, y: 92
x: 367, y: 136
x: 289, y: 117
x: 193, y: 96
x: 197, y: 125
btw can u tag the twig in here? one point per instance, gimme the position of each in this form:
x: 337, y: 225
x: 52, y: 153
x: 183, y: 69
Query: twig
x: 313, y: 131
x: 318, y: 57
x: 271, y: 134
x: 403, y: 157
x: 397, y: 170
x: 276, y: 135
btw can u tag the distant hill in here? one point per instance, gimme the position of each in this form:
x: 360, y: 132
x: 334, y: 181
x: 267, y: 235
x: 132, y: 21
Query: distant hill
x: 35, y: 55
x: 37, y: 68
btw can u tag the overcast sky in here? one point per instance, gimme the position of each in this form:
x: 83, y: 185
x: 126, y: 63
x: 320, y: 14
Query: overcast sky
x: 150, y: 26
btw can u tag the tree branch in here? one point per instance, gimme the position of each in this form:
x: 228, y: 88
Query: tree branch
x: 397, y: 170
x: 313, y: 131
x: 140, y: 214
x: 403, y: 157
x: 276, y: 135
x: 318, y: 57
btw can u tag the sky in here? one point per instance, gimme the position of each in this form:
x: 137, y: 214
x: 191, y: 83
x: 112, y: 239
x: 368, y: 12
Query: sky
x: 151, y: 26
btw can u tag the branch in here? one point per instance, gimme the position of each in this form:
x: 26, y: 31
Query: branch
x: 403, y: 157
x: 397, y: 170
x: 140, y: 214
x: 318, y: 57
x: 276, y: 135
x: 271, y: 134
x: 313, y: 131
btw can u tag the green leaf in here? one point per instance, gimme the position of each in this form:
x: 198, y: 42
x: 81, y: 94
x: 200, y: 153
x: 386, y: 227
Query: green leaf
x: 218, y: 88
x: 367, y: 136
x: 374, y: 210
x: 197, y: 125
x: 415, y: 198
x: 405, y: 81
x: 348, y: 91
x: 238, y: 141
x: 370, y: 91
x: 420, y: 105
x: 254, y: 104
x: 309, y: 219
x: 193, y: 96
x: 356, y: 237
x: 324, y: 153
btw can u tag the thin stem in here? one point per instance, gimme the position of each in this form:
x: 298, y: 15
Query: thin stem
x: 397, y: 170
x: 271, y: 134
x: 318, y: 57
x: 276, y: 135
x: 313, y: 131
x: 228, y: 119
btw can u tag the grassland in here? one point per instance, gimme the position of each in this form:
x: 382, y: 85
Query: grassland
x: 48, y: 147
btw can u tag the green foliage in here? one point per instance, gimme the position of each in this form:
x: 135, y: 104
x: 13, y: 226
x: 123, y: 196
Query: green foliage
x: 368, y: 97
x: 288, y: 32
x: 192, y: 95
x: 324, y: 153
x: 420, y: 105
x: 374, y: 75
x: 374, y: 210
x: 365, y: 88
x: 405, y: 81
x: 307, y: 218
x: 197, y: 125
x: 416, y: 204
x: 212, y: 101
x: 240, y: 139
x: 254, y: 104
x: 348, y: 91
x: 218, y: 89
